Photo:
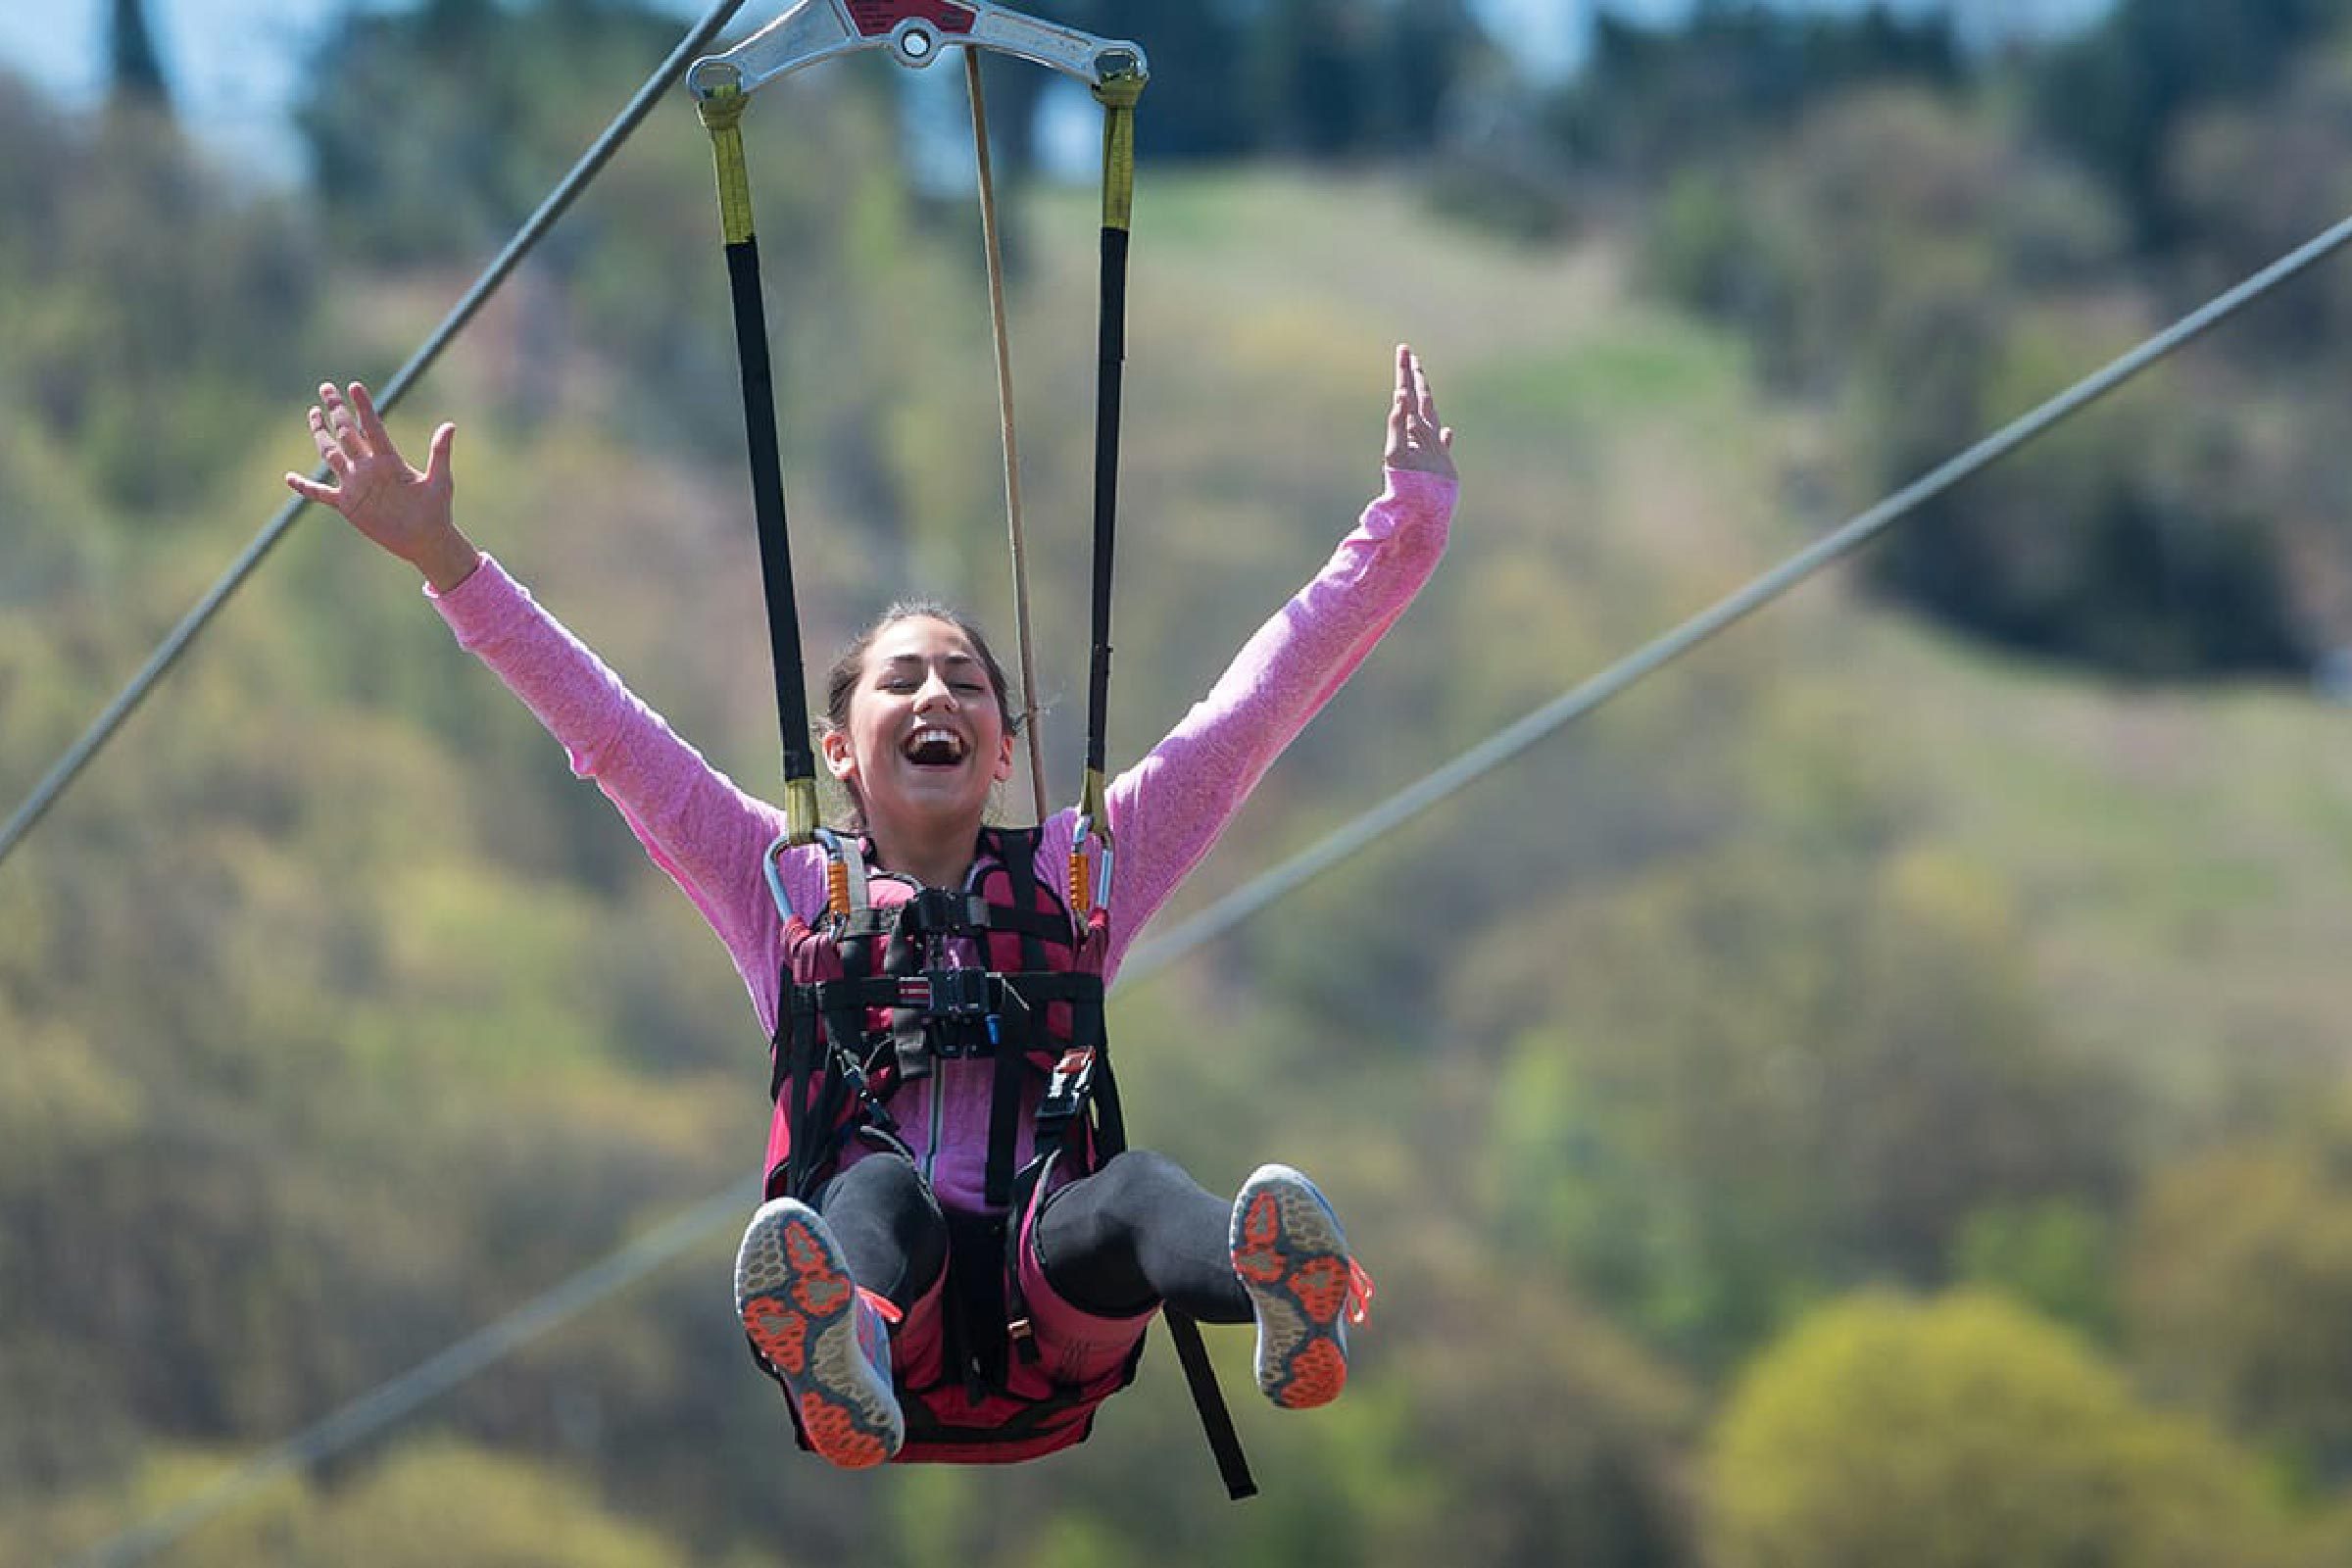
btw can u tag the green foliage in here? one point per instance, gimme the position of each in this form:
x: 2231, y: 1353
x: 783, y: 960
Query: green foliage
x: 1828, y: 1092
x: 511, y: 96
x: 135, y: 269
x: 1963, y: 1432
x: 1252, y: 78
x: 2120, y: 94
x: 1926, y: 268
x: 2056, y: 1255
x: 2239, y: 1276
x: 434, y: 1503
x: 2250, y: 182
x: 1652, y: 99
x: 2124, y: 541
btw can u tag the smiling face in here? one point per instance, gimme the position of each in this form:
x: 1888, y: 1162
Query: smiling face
x: 922, y: 737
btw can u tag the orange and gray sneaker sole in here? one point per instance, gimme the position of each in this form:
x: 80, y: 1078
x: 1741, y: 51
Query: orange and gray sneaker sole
x: 798, y: 1306
x: 1292, y: 1259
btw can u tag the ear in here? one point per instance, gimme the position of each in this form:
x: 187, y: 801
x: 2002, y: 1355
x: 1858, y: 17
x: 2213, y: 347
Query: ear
x: 839, y: 761
x: 1004, y: 769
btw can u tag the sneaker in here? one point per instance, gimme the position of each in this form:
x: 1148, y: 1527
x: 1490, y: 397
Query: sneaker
x: 826, y: 1339
x: 1293, y: 1261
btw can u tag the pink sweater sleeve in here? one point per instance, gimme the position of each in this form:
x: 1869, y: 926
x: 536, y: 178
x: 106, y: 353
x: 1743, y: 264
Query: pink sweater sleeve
x: 1168, y: 809
x: 1165, y: 812
x: 708, y: 835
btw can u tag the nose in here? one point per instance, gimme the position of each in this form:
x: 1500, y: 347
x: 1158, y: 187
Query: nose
x: 935, y: 692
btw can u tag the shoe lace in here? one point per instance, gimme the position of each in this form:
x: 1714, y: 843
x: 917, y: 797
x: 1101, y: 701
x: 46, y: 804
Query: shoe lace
x: 884, y: 1309
x: 1359, y: 1291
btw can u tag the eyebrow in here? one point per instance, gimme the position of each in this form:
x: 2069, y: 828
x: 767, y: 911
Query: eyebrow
x: 918, y: 659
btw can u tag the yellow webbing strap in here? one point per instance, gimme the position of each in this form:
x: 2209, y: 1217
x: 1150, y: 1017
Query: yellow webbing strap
x: 721, y: 114
x: 799, y: 809
x: 1118, y: 95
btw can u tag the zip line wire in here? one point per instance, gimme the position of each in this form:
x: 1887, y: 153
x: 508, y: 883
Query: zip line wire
x: 526, y: 238
x: 1491, y: 753
x: 372, y: 1413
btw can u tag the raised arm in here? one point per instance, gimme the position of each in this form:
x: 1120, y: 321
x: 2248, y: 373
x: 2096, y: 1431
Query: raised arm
x: 1169, y: 808
x: 692, y: 821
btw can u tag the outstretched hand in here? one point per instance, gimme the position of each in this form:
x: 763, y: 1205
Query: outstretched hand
x: 1416, y: 439
x: 400, y: 508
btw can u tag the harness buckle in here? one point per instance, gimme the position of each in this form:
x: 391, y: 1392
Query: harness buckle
x: 937, y: 911
x: 1067, y: 1087
x: 949, y: 993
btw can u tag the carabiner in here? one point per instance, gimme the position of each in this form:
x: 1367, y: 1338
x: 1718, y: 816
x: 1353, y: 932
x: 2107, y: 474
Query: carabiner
x: 1090, y: 882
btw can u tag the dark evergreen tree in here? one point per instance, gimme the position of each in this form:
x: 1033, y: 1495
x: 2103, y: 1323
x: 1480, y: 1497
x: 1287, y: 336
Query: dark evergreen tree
x: 135, y: 68
x: 2117, y: 94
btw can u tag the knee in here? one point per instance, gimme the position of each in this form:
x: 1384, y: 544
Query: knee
x: 892, y: 1185
x: 888, y: 1195
x: 1146, y: 1171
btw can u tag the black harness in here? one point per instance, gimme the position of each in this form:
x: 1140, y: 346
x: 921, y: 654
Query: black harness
x: 870, y: 1006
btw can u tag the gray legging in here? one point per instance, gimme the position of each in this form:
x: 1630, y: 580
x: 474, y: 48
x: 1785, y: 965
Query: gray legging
x: 1131, y: 1236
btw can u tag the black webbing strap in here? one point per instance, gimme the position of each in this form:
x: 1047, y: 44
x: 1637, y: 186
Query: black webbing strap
x: 1118, y: 94
x: 1216, y: 1421
x: 721, y: 113
x: 818, y: 1124
x: 1109, y: 365
x: 767, y: 509
x: 1016, y: 853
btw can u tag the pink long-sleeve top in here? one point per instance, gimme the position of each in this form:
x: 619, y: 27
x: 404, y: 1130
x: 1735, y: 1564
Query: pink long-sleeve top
x: 1165, y: 811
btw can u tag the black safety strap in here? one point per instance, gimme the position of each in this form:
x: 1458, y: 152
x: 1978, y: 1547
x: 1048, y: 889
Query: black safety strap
x: 767, y: 509
x: 1016, y: 853
x: 722, y: 112
x: 1109, y: 369
x: 1118, y: 95
x: 1216, y: 1421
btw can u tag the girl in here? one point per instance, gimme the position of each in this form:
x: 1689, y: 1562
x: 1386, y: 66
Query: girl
x: 856, y: 1284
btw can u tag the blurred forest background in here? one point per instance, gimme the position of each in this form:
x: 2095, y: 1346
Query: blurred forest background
x: 1876, y: 1094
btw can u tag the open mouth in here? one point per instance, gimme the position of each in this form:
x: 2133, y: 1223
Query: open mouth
x: 934, y: 747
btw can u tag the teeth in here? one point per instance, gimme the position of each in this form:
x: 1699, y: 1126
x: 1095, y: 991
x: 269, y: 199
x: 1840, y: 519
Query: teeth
x: 922, y: 739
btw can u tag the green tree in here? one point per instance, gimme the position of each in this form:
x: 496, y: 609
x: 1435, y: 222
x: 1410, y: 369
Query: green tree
x: 1653, y: 99
x: 431, y: 1504
x: 2119, y: 93
x: 1752, y: 1088
x: 1922, y: 269
x: 154, y: 310
x: 1964, y: 1433
x: 2239, y: 1280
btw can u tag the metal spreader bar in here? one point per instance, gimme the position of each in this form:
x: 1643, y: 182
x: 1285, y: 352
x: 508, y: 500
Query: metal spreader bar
x: 916, y: 32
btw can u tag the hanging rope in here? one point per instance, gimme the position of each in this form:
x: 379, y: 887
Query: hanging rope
x: 991, y: 243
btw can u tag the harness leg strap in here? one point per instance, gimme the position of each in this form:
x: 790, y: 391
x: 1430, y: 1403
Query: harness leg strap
x: 1216, y: 1420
